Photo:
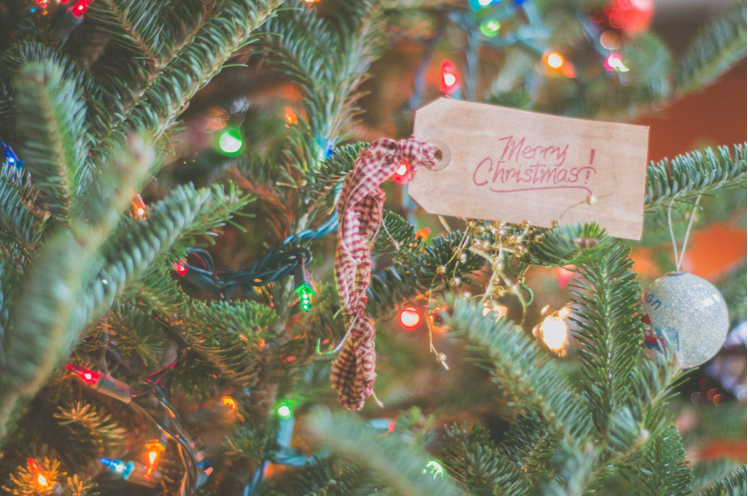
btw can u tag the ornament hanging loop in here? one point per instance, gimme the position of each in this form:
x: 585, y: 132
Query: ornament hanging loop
x: 679, y: 259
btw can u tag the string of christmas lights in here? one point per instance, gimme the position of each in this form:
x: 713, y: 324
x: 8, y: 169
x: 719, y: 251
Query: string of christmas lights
x: 286, y: 259
x: 170, y: 425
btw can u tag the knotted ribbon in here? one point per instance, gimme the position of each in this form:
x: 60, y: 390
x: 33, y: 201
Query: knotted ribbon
x: 360, y: 214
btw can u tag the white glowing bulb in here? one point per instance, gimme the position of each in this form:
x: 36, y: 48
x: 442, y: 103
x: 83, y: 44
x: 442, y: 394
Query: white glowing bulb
x: 555, y: 333
x: 449, y: 79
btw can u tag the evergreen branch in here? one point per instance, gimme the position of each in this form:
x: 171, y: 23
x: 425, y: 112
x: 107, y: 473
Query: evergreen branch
x: 716, y: 47
x: 732, y: 485
x: 705, y: 472
x: 576, y: 473
x: 229, y: 336
x: 110, y: 192
x: 52, y: 116
x: 221, y: 32
x: 647, y: 414
x: 524, y: 371
x: 399, y: 464
x: 415, y: 264
x: 91, y: 430
x: 323, y: 181
x: 135, y: 24
x: 221, y: 205
x: 398, y: 240
x: 25, y: 54
x: 18, y: 222
x: 687, y: 176
x: 651, y: 391
x: 157, y: 291
x: 473, y: 460
x: 248, y: 442
x: 570, y: 244
x: 137, y: 333
x: 80, y: 487
x: 137, y: 245
x: 37, y: 340
x: 529, y: 446
x: 661, y: 469
x: 47, y: 317
x: 329, y: 61
x: 334, y: 477
x: 609, y: 328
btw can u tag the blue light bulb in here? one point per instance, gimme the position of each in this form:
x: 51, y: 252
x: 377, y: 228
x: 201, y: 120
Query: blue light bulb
x: 118, y: 467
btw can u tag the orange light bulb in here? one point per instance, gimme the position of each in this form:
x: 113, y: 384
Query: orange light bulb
x: 230, y: 402
x: 423, y: 233
x: 554, y: 60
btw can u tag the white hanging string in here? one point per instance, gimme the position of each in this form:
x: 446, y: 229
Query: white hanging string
x: 679, y: 259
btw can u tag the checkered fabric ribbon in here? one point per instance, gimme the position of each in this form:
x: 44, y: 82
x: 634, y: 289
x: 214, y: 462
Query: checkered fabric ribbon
x: 360, y: 213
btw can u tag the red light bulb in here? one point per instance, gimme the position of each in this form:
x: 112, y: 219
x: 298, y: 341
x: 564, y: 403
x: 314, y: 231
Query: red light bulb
x: 410, y: 318
x: 401, y: 173
x: 80, y: 8
x: 88, y: 376
x: 181, y: 269
x: 449, y: 82
x: 34, y: 465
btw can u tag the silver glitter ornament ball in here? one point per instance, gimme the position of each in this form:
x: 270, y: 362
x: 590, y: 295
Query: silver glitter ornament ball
x: 685, y: 313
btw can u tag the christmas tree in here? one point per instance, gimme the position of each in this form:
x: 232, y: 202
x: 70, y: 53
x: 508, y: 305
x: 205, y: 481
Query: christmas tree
x: 175, y: 303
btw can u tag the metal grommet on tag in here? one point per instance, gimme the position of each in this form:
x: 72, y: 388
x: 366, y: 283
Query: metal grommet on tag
x: 443, y: 155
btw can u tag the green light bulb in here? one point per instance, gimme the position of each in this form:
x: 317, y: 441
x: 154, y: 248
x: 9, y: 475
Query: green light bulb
x: 435, y: 467
x: 284, y: 411
x: 230, y: 141
x: 490, y: 28
x: 305, y: 293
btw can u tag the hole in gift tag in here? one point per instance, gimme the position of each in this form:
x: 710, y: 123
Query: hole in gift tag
x: 442, y: 155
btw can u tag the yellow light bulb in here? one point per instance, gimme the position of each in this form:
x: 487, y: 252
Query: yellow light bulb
x: 152, y: 456
x: 41, y: 480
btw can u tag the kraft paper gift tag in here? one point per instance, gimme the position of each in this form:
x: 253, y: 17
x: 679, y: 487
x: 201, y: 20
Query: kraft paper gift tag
x: 503, y: 164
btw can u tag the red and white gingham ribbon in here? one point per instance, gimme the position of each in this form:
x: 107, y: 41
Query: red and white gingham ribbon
x: 360, y: 212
